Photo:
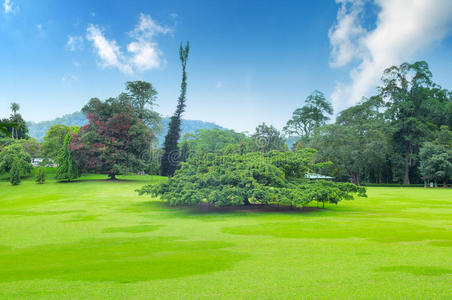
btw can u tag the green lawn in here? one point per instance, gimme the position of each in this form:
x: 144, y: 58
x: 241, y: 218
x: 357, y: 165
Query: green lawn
x: 99, y: 239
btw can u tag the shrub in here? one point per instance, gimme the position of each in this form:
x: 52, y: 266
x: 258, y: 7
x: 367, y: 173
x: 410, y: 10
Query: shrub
x: 15, y: 172
x: 40, y: 175
x: 275, y: 178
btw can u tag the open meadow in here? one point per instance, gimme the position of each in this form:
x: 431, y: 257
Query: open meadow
x: 97, y: 238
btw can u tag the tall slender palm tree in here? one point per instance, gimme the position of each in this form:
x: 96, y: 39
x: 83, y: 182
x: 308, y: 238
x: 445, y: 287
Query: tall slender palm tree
x: 15, y: 108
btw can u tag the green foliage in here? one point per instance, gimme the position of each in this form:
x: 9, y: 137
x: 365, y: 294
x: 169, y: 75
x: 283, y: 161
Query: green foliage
x: 309, y: 117
x: 143, y: 96
x: 218, y: 141
x: 352, y: 143
x: 11, y: 153
x: 67, y: 169
x: 15, y: 172
x: 436, y: 162
x: 5, y: 125
x: 53, y: 140
x: 268, y: 138
x: 274, y: 178
x: 170, y: 159
x: 415, y: 107
x: 115, y: 141
x: 40, y: 175
x: 39, y: 129
x: 15, y: 125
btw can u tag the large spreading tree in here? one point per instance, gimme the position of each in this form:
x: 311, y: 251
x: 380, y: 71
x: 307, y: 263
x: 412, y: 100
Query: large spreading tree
x: 273, y: 178
x: 171, y: 155
x: 115, y: 141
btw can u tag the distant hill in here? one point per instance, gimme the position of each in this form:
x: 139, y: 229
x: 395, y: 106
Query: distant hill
x: 38, y: 129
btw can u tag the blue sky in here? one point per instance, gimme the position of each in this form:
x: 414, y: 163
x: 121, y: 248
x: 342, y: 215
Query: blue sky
x: 250, y: 61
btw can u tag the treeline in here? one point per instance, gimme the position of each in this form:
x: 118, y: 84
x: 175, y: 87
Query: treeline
x: 400, y: 135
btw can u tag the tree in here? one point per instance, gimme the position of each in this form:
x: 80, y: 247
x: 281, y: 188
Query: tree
x: 15, y: 108
x: 436, y: 157
x: 40, y: 175
x: 251, y: 178
x: 368, y: 139
x: 170, y: 158
x: 142, y: 97
x: 268, y: 138
x: 67, y: 169
x: 115, y: 141
x: 215, y: 140
x: 435, y: 162
x: 309, y: 117
x: 411, y: 99
x: 19, y: 130
x: 5, y: 125
x: 14, y: 152
x: 15, y: 172
x: 53, y: 140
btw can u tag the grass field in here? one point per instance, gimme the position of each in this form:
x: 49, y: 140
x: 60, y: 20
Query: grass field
x: 99, y: 239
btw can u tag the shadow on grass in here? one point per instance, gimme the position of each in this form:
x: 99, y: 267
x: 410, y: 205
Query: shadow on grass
x: 102, y: 180
x: 206, y: 209
x: 416, y: 270
x: 116, y: 259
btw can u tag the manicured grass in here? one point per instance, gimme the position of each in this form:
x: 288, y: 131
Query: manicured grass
x: 99, y: 239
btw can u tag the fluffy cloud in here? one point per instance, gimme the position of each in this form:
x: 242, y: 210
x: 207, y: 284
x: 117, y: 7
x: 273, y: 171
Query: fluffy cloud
x: 142, y: 52
x: 108, y: 51
x: 145, y: 53
x: 403, y: 28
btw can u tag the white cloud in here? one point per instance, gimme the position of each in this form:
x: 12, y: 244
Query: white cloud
x: 144, y: 53
x: 147, y: 28
x: 108, y: 51
x: 9, y: 7
x: 343, y: 36
x: 403, y: 28
x: 74, y: 43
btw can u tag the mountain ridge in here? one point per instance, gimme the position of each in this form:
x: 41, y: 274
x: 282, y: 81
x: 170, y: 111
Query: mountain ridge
x: 38, y: 129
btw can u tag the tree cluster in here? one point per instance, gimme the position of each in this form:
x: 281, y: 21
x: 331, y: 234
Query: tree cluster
x: 380, y: 139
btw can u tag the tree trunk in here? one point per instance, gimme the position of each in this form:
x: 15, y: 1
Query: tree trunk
x: 354, y: 178
x: 112, y: 176
x: 406, y: 179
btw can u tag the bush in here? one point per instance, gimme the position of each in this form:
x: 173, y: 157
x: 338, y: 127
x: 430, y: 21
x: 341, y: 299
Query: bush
x: 15, y: 172
x: 40, y: 175
x: 275, y: 178
x: 12, y: 152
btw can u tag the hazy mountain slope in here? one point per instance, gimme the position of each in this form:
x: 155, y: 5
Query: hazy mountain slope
x: 39, y: 129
